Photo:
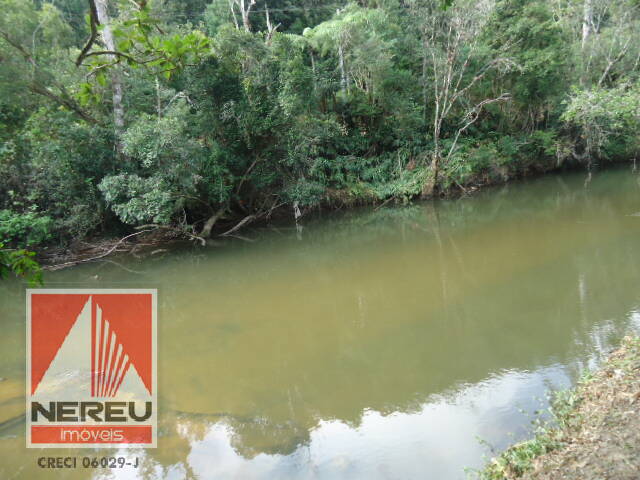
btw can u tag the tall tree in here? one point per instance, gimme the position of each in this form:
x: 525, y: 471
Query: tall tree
x: 102, y: 13
x: 244, y: 6
x: 456, y: 64
x: 587, y: 21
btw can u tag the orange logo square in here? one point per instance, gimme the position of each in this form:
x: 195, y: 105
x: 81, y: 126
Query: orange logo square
x: 91, y: 368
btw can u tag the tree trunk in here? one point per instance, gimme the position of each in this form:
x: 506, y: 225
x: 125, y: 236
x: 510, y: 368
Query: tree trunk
x: 158, y: 99
x: 587, y: 21
x: 116, y: 82
x: 424, y: 86
x: 208, y: 225
x: 271, y: 28
x: 233, y: 13
x: 313, y: 71
x: 245, y: 9
x: 343, y: 70
x: 430, y: 185
x: 245, y: 21
x: 432, y: 182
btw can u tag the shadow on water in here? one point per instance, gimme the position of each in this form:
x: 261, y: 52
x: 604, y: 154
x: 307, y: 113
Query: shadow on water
x: 370, y: 344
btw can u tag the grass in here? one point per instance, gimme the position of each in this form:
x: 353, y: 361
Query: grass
x: 587, y: 426
x: 518, y: 459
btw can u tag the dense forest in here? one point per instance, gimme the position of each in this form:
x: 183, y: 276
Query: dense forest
x: 197, y: 115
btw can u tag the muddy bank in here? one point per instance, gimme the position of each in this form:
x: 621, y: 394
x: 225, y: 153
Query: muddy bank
x: 597, y: 431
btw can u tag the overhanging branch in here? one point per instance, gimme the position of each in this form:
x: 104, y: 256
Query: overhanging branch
x: 93, y: 23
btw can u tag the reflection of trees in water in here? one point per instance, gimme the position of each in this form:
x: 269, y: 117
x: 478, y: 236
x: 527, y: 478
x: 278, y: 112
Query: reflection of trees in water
x: 249, y: 436
x: 263, y: 436
x: 382, y: 310
x: 497, y: 310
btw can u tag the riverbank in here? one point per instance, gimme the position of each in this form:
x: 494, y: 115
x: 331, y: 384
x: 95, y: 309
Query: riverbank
x: 597, y: 431
x: 153, y: 239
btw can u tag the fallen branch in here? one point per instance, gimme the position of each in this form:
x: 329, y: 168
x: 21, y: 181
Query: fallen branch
x: 108, y: 252
x: 179, y: 231
x: 208, y: 226
x: 383, y: 204
x: 274, y: 207
x: 244, y: 221
x: 122, y: 267
x: 246, y: 173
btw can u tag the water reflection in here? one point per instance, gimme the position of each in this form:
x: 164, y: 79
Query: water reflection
x: 375, y: 344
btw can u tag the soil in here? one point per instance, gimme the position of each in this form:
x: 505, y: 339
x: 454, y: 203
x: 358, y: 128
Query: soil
x: 601, y: 440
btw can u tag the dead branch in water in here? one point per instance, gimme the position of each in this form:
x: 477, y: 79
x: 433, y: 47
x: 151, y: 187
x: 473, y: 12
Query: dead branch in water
x: 179, y: 231
x: 383, y: 204
x: 208, y: 226
x: 242, y: 222
x: 201, y: 238
x: 102, y: 255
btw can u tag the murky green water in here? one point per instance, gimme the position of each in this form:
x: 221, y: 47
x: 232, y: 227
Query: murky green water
x: 369, y: 345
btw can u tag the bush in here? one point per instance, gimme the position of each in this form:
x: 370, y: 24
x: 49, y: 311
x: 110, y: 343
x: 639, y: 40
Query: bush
x: 607, y: 119
x: 62, y: 170
x: 138, y: 200
x: 25, y: 229
x: 21, y: 264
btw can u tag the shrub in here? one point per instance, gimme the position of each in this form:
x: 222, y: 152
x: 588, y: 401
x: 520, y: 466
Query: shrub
x: 21, y: 264
x: 25, y: 229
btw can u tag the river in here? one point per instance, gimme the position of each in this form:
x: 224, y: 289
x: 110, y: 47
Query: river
x: 406, y: 342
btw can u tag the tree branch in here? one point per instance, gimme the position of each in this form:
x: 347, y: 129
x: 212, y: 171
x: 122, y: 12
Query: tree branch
x: 93, y: 23
x: 37, y: 87
x: 473, y: 115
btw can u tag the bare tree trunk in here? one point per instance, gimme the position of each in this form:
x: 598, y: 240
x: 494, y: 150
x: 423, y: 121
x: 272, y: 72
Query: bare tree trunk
x: 441, y: 89
x: 233, y: 13
x: 313, y: 70
x: 245, y: 10
x: 431, y: 184
x: 271, y: 29
x: 116, y: 82
x: 587, y: 22
x: 424, y: 80
x: 158, y: 99
x: 208, y: 225
x: 343, y: 70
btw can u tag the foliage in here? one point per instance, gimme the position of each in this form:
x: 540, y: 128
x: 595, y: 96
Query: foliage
x: 20, y: 263
x: 139, y: 42
x: 64, y: 172
x: 25, y: 228
x: 138, y: 200
x: 310, y: 102
x: 530, y: 34
x: 605, y: 117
